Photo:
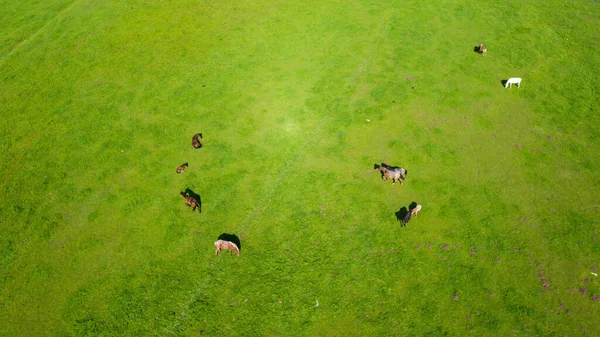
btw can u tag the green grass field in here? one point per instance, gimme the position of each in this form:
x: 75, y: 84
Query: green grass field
x: 99, y: 101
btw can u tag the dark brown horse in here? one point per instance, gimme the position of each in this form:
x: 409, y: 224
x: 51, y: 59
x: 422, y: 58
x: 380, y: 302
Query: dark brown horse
x: 182, y: 167
x: 196, y: 141
x: 406, y: 218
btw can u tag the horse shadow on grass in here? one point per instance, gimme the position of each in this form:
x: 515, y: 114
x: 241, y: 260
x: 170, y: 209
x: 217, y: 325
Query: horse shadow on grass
x: 376, y: 167
x: 196, y: 196
x: 503, y: 82
x: 389, y: 167
x: 401, y: 213
x: 231, y: 238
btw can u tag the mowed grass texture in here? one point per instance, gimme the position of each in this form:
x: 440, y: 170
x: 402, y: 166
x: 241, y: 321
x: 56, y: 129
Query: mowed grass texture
x: 100, y: 100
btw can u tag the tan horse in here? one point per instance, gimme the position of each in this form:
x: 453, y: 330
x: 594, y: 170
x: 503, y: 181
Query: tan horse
x: 482, y: 49
x: 415, y: 210
x: 228, y: 245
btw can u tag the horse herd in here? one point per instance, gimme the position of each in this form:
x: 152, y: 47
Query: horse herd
x: 388, y: 172
x: 192, y: 201
x: 397, y: 174
x: 507, y: 83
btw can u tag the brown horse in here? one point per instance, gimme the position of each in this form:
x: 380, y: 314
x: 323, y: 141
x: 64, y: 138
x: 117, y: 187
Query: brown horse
x: 182, y: 167
x: 196, y: 142
x: 228, y: 245
x: 191, y: 202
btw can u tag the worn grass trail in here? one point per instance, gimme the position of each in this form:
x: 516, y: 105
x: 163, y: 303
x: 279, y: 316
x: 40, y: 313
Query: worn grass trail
x: 101, y: 102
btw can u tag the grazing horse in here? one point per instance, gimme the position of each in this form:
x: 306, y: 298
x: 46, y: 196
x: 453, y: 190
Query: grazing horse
x: 228, y: 245
x: 415, y: 210
x: 513, y: 80
x: 481, y: 49
x: 406, y: 218
x: 191, y: 202
x: 409, y: 214
x: 196, y: 142
x: 182, y: 167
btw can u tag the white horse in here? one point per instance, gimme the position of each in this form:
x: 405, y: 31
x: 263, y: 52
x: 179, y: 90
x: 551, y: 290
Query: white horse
x: 513, y: 80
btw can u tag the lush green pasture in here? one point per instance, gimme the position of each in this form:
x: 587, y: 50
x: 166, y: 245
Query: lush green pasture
x: 99, y: 101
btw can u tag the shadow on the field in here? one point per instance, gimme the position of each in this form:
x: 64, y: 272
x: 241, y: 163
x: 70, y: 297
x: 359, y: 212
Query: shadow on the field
x: 376, y: 167
x: 401, y: 213
x: 231, y: 238
x: 503, y: 82
x: 196, y: 196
